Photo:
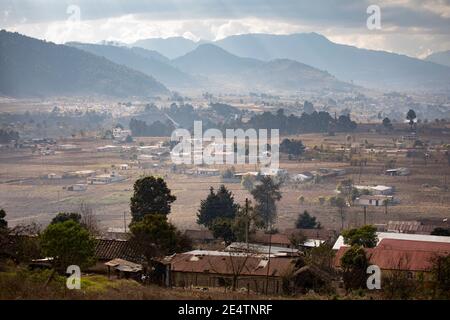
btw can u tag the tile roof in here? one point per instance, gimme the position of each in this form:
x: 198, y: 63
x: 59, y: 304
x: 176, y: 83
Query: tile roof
x: 112, y: 249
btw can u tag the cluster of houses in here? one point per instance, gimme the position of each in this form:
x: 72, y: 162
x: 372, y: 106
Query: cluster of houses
x: 269, y: 263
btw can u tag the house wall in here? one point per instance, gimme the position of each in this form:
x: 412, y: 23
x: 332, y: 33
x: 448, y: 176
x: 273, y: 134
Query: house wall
x: 253, y: 283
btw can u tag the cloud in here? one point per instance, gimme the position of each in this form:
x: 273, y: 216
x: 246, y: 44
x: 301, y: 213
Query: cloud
x: 405, y: 23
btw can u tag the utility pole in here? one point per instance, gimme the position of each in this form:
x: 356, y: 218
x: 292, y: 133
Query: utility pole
x: 247, y: 222
x: 365, y: 213
x: 270, y: 244
x: 124, y: 222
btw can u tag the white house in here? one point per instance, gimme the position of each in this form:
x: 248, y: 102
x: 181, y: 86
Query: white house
x: 105, y: 178
x: 398, y: 172
x: 77, y: 187
x: 374, y: 200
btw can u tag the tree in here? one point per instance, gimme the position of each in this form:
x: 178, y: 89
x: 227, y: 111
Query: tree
x: 341, y: 204
x: 306, y: 221
x: 365, y: 236
x: 68, y: 243
x: 3, y: 222
x: 411, y: 116
x: 354, y: 263
x: 156, y: 237
x: 66, y: 216
x: 441, y: 275
x: 248, y: 182
x: 223, y: 228
x: 387, y: 123
x: 292, y: 147
x: 151, y: 196
x: 218, y: 204
x: 266, y: 193
x: 441, y: 232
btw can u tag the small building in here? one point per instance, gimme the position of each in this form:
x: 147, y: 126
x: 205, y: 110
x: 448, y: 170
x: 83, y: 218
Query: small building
x: 109, y: 148
x: 77, y: 187
x: 68, y: 147
x: 374, y: 200
x: 207, y: 172
x: 253, y: 273
x: 393, y: 255
x: 378, y: 189
x: 124, y: 268
x: 124, y: 166
x: 105, y: 178
x: 397, y: 236
x: 398, y: 172
x: 54, y: 176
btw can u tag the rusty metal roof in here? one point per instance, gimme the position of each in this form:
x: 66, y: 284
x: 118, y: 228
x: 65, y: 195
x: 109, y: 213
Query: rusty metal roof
x: 231, y: 265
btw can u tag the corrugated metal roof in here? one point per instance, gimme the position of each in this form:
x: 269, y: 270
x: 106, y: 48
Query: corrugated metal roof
x: 394, y: 254
x: 231, y: 265
x: 399, y: 236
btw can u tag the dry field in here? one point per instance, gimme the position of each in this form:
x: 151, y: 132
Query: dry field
x: 27, y: 196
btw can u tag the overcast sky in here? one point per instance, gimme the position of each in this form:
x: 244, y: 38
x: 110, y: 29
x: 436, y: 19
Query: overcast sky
x: 412, y: 27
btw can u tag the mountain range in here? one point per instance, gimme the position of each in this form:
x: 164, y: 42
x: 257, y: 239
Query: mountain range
x: 369, y: 68
x: 35, y: 68
x: 294, y: 63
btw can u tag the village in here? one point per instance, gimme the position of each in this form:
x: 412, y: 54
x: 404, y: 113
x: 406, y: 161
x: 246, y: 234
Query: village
x: 393, y: 180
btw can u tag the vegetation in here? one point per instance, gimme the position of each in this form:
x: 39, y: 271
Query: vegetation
x: 354, y: 263
x: 306, y: 221
x: 68, y: 243
x: 140, y: 128
x: 365, y: 236
x: 156, y: 237
x: 218, y: 204
x: 151, y: 196
x: 266, y: 194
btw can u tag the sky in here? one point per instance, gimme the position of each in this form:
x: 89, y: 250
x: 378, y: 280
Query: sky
x: 413, y: 27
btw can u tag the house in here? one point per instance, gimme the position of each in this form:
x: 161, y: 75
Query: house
x: 109, y: 148
x: 378, y: 189
x: 124, y: 268
x: 374, y: 200
x: 124, y: 166
x: 68, y: 147
x: 303, y: 177
x: 109, y: 249
x: 284, y: 239
x: 398, y: 236
x: 207, y: 172
x: 395, y: 255
x: 414, y: 227
x: 121, y: 134
x: 54, y: 176
x: 255, y: 273
x: 261, y: 249
x: 105, y: 178
x: 77, y: 187
x: 398, y: 172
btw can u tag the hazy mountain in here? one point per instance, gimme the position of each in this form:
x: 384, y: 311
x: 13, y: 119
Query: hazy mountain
x: 149, y: 62
x: 224, y: 69
x: 209, y: 59
x: 170, y: 47
x: 442, y: 57
x: 370, y: 68
x: 31, y: 67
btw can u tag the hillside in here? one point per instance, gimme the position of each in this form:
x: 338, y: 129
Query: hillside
x: 440, y: 58
x: 172, y: 47
x: 149, y: 62
x: 226, y: 69
x: 35, y: 68
x: 376, y: 69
